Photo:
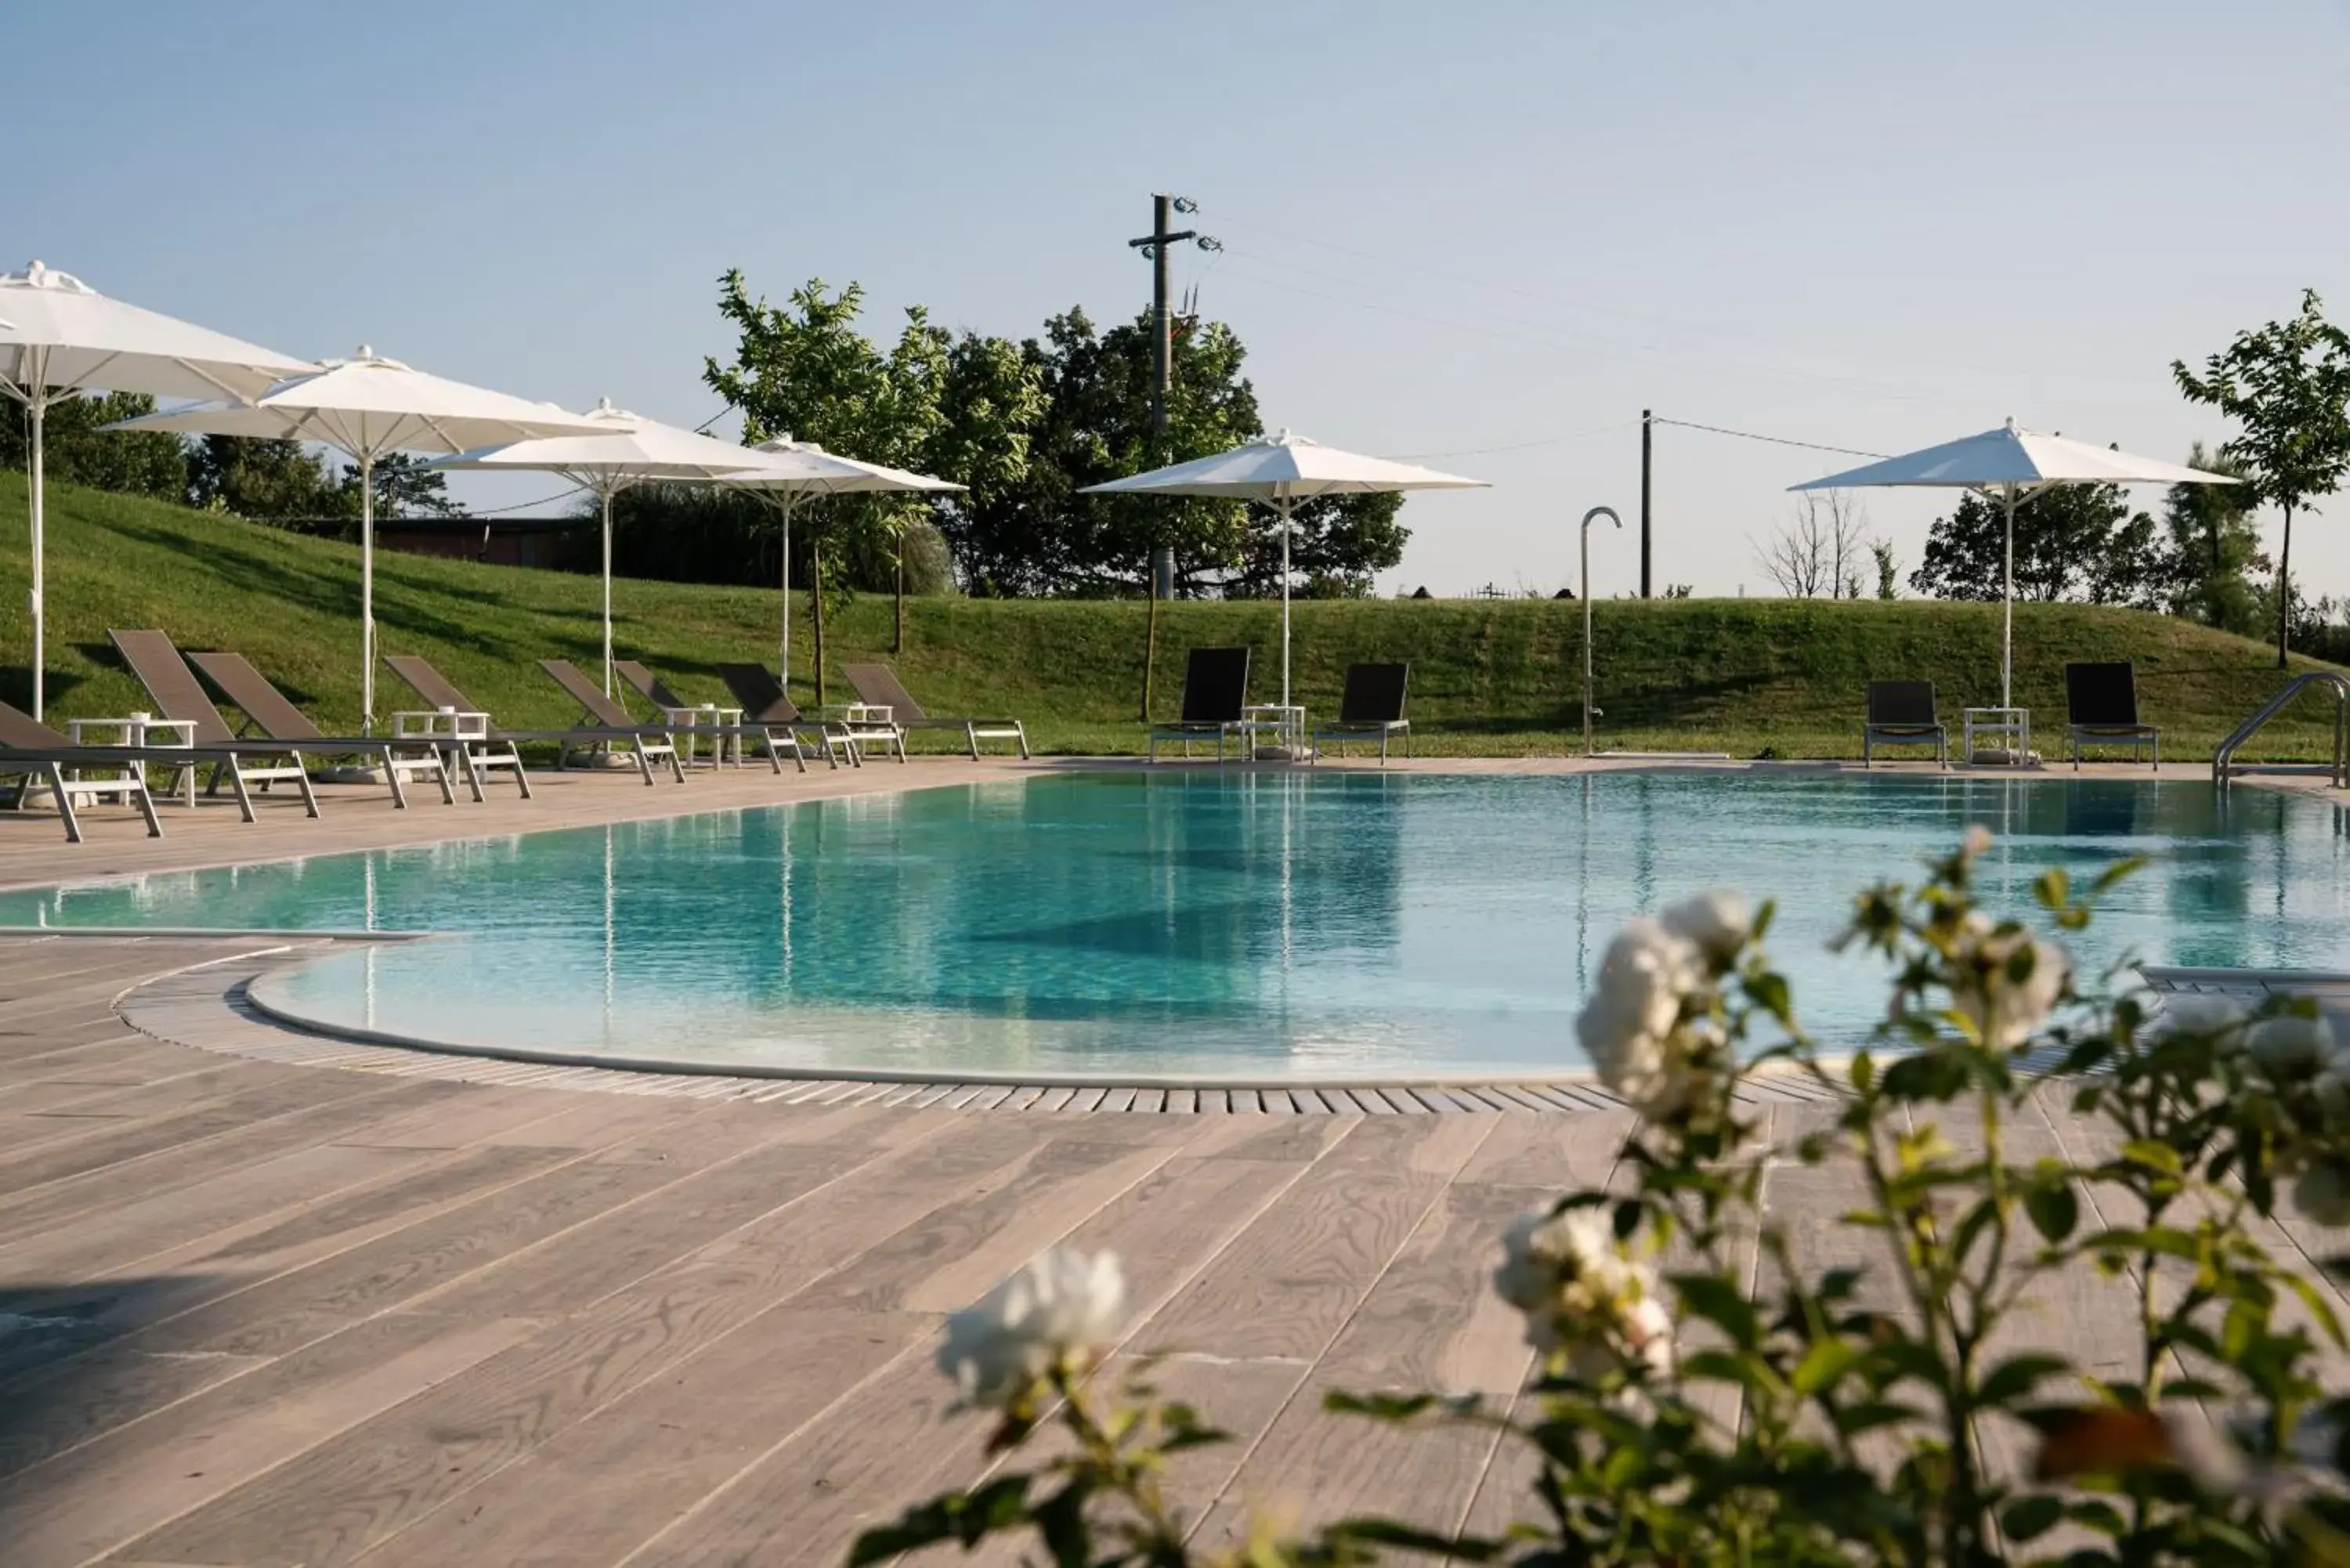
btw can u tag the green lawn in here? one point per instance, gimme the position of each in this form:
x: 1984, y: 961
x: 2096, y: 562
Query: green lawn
x: 1752, y: 677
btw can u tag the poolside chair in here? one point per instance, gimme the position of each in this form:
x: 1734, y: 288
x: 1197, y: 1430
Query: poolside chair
x: 1901, y: 713
x: 175, y: 690
x: 765, y: 705
x: 613, y: 725
x: 1215, y: 690
x: 2101, y: 710
x: 487, y: 751
x: 31, y: 751
x: 1371, y: 708
x: 267, y: 709
x: 878, y: 686
x: 677, y: 710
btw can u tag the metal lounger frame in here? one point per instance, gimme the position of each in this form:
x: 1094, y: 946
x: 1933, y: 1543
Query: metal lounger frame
x: 248, y: 690
x: 878, y: 686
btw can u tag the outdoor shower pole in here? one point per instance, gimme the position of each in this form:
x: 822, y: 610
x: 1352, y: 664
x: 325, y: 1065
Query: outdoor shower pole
x: 1648, y: 427
x: 1608, y: 512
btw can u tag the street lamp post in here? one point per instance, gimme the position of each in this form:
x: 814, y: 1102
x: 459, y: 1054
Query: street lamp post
x: 1608, y: 512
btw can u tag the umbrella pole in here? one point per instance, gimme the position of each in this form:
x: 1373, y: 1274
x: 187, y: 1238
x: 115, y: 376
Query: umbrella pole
x: 367, y: 593
x: 36, y: 407
x: 1284, y: 504
x: 2007, y: 601
x: 607, y: 590
x: 783, y: 667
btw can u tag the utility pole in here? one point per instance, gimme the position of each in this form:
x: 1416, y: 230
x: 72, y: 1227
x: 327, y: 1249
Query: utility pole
x: 1157, y: 244
x: 1648, y: 426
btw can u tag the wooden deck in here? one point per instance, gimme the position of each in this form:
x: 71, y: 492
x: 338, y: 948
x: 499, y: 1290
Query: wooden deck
x: 260, y: 1313
x: 257, y: 1312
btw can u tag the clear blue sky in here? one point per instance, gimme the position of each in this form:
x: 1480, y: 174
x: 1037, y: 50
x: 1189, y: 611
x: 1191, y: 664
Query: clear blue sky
x: 1450, y: 229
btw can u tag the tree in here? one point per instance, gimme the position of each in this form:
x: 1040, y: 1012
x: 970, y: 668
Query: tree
x: 2212, y: 542
x: 1338, y: 544
x: 1819, y: 547
x: 1796, y: 556
x: 2286, y: 386
x: 264, y: 480
x: 2073, y: 542
x: 404, y: 487
x: 989, y: 405
x: 77, y: 450
x: 1888, y: 570
x: 803, y: 369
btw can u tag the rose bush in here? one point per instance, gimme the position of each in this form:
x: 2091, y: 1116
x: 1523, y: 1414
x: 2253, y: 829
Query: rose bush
x: 1862, y: 1398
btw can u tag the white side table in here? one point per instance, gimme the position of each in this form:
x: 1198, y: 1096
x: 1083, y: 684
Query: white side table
x: 142, y: 730
x: 454, y: 729
x: 870, y: 721
x: 685, y: 722
x: 1286, y: 723
x: 2013, y: 725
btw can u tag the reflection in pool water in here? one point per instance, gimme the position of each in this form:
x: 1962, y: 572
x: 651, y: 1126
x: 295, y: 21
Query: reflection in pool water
x: 1239, y: 922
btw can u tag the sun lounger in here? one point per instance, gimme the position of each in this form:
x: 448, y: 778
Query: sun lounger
x: 685, y: 715
x: 1370, y: 709
x: 1901, y: 713
x: 267, y: 709
x: 876, y: 686
x: 1215, y: 690
x: 487, y: 751
x: 30, y: 751
x: 765, y: 705
x: 177, y: 693
x: 2101, y: 710
x: 611, y: 725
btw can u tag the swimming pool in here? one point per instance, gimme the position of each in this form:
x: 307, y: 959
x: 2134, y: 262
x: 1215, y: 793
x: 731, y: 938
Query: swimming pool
x: 1234, y: 923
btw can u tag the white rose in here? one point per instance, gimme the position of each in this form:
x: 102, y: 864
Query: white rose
x: 2331, y: 1089
x: 1648, y: 1330
x: 1627, y: 1027
x: 2323, y: 1194
x: 1061, y: 1310
x: 2004, y: 1010
x: 2200, y: 1013
x: 1582, y: 1292
x: 1717, y: 922
x: 2290, y: 1047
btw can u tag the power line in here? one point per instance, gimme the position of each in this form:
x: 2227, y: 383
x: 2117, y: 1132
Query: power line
x: 1774, y: 440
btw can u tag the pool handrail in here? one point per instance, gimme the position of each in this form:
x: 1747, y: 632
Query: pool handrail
x: 2223, y: 759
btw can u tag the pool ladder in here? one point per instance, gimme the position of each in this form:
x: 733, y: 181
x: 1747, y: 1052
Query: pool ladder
x: 2223, y: 759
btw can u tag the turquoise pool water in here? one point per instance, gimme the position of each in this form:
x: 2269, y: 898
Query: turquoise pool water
x: 1196, y: 921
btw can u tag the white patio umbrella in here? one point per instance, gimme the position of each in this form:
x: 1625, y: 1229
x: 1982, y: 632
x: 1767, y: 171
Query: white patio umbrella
x: 1282, y: 471
x: 794, y: 471
x: 2007, y: 465
x: 60, y: 337
x: 366, y: 407
x: 627, y: 450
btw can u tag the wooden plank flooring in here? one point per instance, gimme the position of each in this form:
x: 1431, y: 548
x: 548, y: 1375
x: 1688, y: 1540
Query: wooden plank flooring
x: 256, y: 1313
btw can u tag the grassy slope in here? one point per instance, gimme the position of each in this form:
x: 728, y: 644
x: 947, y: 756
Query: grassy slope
x: 1749, y: 675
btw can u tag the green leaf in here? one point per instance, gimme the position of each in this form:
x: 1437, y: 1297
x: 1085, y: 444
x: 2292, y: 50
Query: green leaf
x: 2054, y: 890
x: 2053, y: 1210
x: 2014, y: 1378
x: 1409, y: 1537
x: 1721, y: 1302
x: 2153, y: 1155
x: 1061, y: 1520
x: 1381, y: 1406
x: 1823, y: 1364
x: 2028, y: 1518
